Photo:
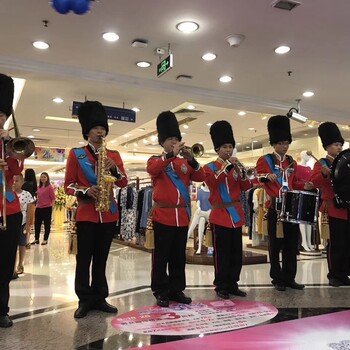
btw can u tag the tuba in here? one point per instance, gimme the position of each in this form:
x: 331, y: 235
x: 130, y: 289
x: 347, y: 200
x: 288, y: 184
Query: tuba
x: 104, y: 181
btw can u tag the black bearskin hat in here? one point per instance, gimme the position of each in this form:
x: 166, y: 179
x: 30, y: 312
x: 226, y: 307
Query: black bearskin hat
x: 329, y: 133
x: 91, y: 114
x: 6, y: 94
x: 167, y: 126
x: 221, y: 133
x: 278, y: 127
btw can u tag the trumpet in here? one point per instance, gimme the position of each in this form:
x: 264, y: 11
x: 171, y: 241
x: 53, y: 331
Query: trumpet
x: 197, y: 150
x: 246, y: 173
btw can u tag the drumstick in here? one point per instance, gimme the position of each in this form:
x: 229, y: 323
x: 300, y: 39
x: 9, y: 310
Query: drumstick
x: 309, y: 153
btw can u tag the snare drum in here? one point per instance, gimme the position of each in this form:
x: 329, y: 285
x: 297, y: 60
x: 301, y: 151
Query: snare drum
x: 299, y: 207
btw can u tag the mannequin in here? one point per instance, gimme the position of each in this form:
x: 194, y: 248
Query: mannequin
x: 201, y: 216
x: 304, y: 174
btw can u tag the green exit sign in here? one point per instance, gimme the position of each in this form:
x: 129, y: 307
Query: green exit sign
x: 165, y: 65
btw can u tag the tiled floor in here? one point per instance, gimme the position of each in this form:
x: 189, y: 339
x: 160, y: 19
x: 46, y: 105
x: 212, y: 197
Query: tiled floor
x: 43, y: 299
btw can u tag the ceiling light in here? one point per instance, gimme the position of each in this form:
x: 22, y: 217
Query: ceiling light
x: 242, y: 113
x: 209, y: 56
x: 30, y: 137
x: 254, y: 141
x: 143, y: 64
x: 310, y: 125
x: 264, y: 117
x: 57, y: 100
x: 183, y: 133
x: 36, y: 129
x: 251, y: 129
x: 110, y: 36
x: 145, y: 141
x: 225, y: 79
x: 185, y: 126
x: 81, y: 143
x: 187, y: 26
x: 282, y: 49
x: 191, y: 107
x: 209, y: 124
x: 136, y: 144
x: 153, y: 138
x: 135, y: 109
x: 142, y: 129
x: 308, y: 94
x: 41, y: 45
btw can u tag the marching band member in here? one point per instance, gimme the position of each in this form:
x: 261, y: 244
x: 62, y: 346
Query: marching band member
x: 279, y: 174
x: 95, y: 229
x: 9, y: 237
x: 225, y: 183
x: 338, y: 253
x: 171, y: 212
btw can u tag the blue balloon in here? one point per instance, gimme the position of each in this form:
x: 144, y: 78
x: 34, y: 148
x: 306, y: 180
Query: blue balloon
x: 80, y: 6
x: 62, y: 6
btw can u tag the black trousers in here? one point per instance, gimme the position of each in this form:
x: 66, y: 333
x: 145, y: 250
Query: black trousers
x: 289, y: 247
x: 227, y: 257
x: 169, y: 254
x: 94, y: 242
x: 43, y: 215
x: 9, y: 239
x: 338, y: 249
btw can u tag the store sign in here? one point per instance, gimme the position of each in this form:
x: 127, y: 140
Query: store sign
x: 113, y: 113
x: 50, y: 154
x: 165, y: 65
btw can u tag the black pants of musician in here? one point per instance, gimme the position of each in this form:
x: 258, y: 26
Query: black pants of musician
x: 227, y: 257
x: 289, y: 247
x: 94, y: 242
x: 8, y: 248
x: 169, y: 254
x: 43, y: 215
x: 338, y: 251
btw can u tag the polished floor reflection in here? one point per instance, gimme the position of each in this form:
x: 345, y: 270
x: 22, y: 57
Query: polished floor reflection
x: 43, y: 299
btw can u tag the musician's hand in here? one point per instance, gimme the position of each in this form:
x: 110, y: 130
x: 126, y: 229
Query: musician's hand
x: 93, y: 192
x: 325, y: 170
x: 308, y: 185
x: 178, y: 146
x: 186, y: 153
x: 3, y: 164
x: 4, y: 134
x: 272, y: 177
x: 109, y: 163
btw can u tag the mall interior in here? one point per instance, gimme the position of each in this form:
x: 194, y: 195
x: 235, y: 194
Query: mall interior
x: 242, y: 61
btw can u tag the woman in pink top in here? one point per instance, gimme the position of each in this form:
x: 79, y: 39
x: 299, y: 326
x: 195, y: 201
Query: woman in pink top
x: 43, y: 211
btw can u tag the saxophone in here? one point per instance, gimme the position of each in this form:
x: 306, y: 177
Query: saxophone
x: 104, y: 181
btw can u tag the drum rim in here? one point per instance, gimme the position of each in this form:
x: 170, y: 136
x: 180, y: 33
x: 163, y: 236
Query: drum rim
x: 303, y: 192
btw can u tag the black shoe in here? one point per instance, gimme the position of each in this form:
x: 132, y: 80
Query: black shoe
x: 180, y: 297
x: 14, y: 276
x: 281, y: 287
x: 295, y: 285
x: 81, y: 312
x: 223, y: 294
x: 162, y: 300
x: 105, y: 307
x: 346, y: 281
x: 335, y: 282
x: 5, y: 321
x: 35, y: 242
x: 238, y: 292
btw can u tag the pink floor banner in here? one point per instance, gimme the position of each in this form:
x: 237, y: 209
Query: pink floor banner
x: 326, y: 332
x: 200, y: 317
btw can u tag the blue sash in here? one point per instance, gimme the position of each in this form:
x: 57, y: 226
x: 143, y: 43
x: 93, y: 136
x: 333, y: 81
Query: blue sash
x: 325, y: 162
x: 90, y: 175
x: 10, y: 197
x: 180, y: 186
x: 271, y: 164
x: 225, y: 197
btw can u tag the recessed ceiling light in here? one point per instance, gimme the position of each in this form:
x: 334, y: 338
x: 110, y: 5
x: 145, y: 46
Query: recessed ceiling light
x: 110, y: 36
x: 143, y: 64
x: 57, y: 100
x: 113, y: 141
x: 187, y: 26
x: 81, y: 143
x: 225, y: 79
x: 247, y: 147
x: 209, y: 124
x: 191, y: 107
x: 241, y: 113
x: 135, y: 109
x: 30, y: 137
x: 36, y: 129
x: 41, y: 45
x: 145, y: 141
x: 153, y: 138
x: 254, y: 141
x: 185, y: 126
x: 282, y: 49
x: 306, y: 134
x: 264, y: 117
x: 183, y: 133
x: 142, y: 129
x: 308, y: 94
x: 251, y: 129
x: 209, y: 56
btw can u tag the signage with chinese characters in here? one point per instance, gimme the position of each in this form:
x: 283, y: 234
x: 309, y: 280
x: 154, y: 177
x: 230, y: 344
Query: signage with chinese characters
x: 165, y: 65
x: 113, y: 113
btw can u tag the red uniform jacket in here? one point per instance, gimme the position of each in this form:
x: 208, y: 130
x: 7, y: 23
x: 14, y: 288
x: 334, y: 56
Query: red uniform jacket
x: 234, y: 185
x: 15, y: 167
x: 324, y: 183
x: 273, y: 188
x: 165, y: 192
x: 75, y: 180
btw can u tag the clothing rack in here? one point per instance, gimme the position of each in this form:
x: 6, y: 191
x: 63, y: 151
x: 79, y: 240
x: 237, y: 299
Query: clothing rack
x: 140, y: 181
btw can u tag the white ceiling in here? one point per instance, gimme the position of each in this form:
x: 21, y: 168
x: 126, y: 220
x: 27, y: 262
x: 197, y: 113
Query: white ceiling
x: 81, y: 64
